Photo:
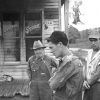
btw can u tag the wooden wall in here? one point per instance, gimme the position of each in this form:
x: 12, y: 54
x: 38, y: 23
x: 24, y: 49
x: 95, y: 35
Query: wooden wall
x: 51, y: 10
x: 20, y: 5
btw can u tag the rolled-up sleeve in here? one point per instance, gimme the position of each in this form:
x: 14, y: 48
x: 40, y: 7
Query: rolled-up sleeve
x: 95, y: 75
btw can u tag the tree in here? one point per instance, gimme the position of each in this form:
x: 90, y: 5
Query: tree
x: 73, y: 34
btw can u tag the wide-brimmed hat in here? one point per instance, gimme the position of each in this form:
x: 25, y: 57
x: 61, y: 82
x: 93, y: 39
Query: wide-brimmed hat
x: 38, y: 45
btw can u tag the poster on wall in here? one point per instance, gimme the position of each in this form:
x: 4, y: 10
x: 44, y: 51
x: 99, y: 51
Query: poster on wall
x: 48, y: 28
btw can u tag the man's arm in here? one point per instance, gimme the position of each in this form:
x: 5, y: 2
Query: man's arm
x: 95, y: 75
x: 61, y: 76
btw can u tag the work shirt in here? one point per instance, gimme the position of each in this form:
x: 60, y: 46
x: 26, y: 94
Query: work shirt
x: 40, y: 69
x: 92, y: 65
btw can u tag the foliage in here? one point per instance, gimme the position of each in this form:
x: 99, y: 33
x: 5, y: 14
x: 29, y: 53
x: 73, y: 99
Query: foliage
x: 73, y: 34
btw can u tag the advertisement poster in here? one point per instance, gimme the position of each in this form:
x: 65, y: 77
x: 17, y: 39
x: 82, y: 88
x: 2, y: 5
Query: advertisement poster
x: 48, y: 28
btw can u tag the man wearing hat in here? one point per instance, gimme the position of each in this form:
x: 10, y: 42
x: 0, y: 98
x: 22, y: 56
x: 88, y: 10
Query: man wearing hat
x: 67, y: 81
x: 39, y: 71
x: 92, y: 69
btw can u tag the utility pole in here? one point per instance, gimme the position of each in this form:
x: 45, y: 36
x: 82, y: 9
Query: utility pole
x: 66, y: 15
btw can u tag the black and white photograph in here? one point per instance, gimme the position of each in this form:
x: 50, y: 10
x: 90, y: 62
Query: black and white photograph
x: 49, y: 50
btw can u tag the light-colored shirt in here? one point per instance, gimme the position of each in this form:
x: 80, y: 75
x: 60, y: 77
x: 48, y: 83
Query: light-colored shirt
x: 92, y: 63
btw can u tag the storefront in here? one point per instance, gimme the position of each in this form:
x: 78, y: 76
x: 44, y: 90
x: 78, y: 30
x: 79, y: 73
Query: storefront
x: 21, y: 23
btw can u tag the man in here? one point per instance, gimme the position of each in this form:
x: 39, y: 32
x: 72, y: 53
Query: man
x: 39, y: 71
x: 92, y: 70
x: 67, y: 81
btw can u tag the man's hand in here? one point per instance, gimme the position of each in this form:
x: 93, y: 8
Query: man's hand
x: 54, y: 70
x: 86, y: 85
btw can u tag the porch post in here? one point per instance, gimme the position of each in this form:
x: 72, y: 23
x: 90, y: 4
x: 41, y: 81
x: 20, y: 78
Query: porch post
x: 66, y: 15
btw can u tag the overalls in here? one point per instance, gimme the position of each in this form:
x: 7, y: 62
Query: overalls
x: 39, y: 87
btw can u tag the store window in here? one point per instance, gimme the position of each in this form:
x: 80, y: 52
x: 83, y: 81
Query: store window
x: 11, y: 37
x: 33, y: 31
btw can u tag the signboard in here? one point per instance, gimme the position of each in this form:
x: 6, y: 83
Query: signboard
x: 32, y: 28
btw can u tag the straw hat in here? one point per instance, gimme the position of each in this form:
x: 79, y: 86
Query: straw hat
x: 38, y: 45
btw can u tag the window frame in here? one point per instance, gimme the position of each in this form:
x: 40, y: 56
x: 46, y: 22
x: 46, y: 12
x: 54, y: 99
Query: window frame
x: 22, y: 37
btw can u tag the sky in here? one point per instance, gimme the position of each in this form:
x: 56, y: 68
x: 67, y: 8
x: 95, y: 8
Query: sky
x: 90, y: 14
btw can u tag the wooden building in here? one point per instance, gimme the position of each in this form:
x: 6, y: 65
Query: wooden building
x: 21, y: 23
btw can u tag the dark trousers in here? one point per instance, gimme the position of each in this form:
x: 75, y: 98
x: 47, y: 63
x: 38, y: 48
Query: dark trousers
x: 40, y: 91
x: 93, y: 93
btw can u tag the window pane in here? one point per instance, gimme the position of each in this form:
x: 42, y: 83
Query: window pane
x: 11, y: 49
x: 11, y: 39
x: 33, y: 28
x: 33, y: 31
x: 33, y: 25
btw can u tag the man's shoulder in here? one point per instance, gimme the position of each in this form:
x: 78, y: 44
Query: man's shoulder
x: 76, y: 61
x: 51, y: 60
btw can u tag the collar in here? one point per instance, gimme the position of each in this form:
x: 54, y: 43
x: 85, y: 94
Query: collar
x: 42, y: 58
x: 67, y: 57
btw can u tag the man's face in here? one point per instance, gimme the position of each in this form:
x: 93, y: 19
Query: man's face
x: 39, y: 52
x: 55, y: 49
x: 95, y: 43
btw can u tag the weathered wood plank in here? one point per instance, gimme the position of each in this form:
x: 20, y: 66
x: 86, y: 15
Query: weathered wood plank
x: 10, y: 89
x: 20, y: 5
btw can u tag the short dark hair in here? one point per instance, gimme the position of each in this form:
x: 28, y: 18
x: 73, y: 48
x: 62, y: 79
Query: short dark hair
x: 58, y: 36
